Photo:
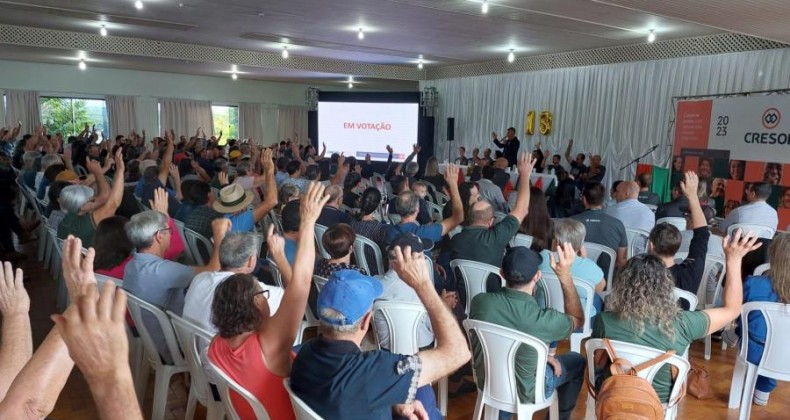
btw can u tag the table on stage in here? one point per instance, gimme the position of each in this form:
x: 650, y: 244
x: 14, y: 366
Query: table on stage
x: 545, y: 180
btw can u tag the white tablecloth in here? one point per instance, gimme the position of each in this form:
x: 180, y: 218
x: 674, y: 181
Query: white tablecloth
x: 547, y: 178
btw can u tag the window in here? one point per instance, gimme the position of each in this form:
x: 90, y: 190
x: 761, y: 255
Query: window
x: 69, y: 115
x: 226, y: 120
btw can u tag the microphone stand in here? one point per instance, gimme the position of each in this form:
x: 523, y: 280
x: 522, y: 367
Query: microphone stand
x: 639, y: 158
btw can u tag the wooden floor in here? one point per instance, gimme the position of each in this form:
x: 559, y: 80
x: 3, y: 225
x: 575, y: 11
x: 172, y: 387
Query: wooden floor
x: 75, y: 401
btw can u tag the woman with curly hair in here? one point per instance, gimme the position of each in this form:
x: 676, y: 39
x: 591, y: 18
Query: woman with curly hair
x: 643, y: 310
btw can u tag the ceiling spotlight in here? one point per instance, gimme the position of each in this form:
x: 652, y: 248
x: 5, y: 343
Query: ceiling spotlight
x: 485, y: 7
x: 419, y: 62
x: 138, y: 5
x: 651, y: 37
x: 285, y: 52
x: 350, y: 85
x: 511, y: 57
x: 350, y: 79
x: 234, y: 76
x: 103, y: 31
x: 82, y: 65
x: 361, y: 34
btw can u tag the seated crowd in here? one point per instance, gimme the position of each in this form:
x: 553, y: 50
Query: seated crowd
x: 248, y: 242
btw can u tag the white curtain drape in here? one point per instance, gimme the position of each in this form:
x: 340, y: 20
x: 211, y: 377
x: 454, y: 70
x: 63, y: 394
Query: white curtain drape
x: 617, y: 110
x: 22, y: 105
x: 184, y: 116
x: 251, y: 122
x: 269, y: 116
x: 147, y: 110
x: 121, y: 113
x: 290, y: 120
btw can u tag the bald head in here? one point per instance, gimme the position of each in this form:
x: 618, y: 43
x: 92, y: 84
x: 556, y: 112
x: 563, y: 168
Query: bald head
x: 627, y: 190
x: 335, y: 194
x: 500, y: 163
x: 481, y: 213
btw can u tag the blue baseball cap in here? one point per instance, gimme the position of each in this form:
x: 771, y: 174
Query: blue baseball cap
x: 349, y: 293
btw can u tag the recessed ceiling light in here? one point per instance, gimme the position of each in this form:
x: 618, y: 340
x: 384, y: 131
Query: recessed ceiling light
x: 138, y: 5
x: 285, y: 52
x: 103, y: 31
x: 361, y: 34
x: 511, y: 57
x: 350, y: 85
x: 350, y: 79
x: 82, y: 65
x: 419, y: 62
x: 484, y: 8
x: 651, y: 37
x: 234, y: 76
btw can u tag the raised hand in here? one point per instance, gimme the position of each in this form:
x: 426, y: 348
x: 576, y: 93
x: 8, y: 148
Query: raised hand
x: 411, y: 267
x: 173, y: 171
x: 525, y: 163
x: 223, y: 179
x: 562, y: 264
x: 341, y: 160
x: 494, y: 136
x: 219, y: 227
x: 416, y: 148
x: 451, y: 173
x: 13, y: 296
x: 77, y: 271
x: 120, y: 166
x: 737, y: 245
x: 312, y: 203
x: 266, y: 160
x: 95, y: 333
x: 389, y: 149
x: 275, y: 242
x: 690, y: 184
x: 93, y: 166
x: 159, y: 203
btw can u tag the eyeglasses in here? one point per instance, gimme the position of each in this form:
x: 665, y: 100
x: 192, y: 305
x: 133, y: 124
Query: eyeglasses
x: 168, y: 229
x: 265, y: 293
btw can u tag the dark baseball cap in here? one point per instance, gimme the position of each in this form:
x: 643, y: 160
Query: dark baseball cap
x: 520, y: 264
x: 416, y: 243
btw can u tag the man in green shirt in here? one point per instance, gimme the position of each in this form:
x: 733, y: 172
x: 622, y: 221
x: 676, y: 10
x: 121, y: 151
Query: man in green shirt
x: 515, y: 307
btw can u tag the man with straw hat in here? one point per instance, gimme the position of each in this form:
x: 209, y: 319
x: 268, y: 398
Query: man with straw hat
x: 233, y: 200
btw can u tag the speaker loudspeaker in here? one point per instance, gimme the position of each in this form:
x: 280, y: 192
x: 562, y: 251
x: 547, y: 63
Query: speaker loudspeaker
x: 450, y: 129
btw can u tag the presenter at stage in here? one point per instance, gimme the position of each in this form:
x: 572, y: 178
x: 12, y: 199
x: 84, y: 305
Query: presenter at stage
x: 510, y: 145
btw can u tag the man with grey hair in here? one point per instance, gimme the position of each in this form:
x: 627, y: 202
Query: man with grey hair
x: 337, y: 379
x: 238, y: 254
x: 629, y: 210
x: 572, y: 231
x: 152, y: 278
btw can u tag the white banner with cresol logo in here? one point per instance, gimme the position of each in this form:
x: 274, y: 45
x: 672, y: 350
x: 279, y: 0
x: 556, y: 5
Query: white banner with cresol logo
x: 753, y: 128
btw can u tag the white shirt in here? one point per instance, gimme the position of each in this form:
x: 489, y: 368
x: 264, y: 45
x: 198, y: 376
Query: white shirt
x: 199, y: 297
x: 633, y: 214
x: 397, y: 290
x: 757, y: 213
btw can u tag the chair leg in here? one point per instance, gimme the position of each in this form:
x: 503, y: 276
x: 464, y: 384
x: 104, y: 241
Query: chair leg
x: 707, y: 347
x: 736, y: 387
x: 142, y: 384
x: 748, y: 391
x: 161, y: 388
x: 443, y: 396
x: 214, y: 410
x: 589, y: 410
x: 554, y: 408
x: 303, y: 326
x: 191, y: 404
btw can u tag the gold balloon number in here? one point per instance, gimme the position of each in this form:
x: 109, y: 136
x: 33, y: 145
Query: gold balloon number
x: 546, y: 121
x: 530, y: 123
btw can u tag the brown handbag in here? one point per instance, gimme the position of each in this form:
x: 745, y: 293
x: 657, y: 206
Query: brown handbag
x: 698, y: 383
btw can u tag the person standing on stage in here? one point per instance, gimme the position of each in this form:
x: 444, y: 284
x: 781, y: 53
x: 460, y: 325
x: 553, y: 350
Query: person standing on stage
x: 510, y: 145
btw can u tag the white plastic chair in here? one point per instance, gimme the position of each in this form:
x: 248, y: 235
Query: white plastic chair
x: 320, y: 230
x: 394, y: 218
x: 192, y: 340
x: 275, y: 271
x: 310, y: 320
x: 689, y: 297
x: 474, y: 274
x: 521, y: 239
x: 319, y: 281
x: 594, y: 252
x: 225, y: 385
x: 164, y: 372
x: 556, y: 299
x: 435, y: 211
x: 301, y: 409
x: 678, y: 222
x: 197, y: 243
x: 361, y: 243
x: 499, y: 346
x: 637, y: 241
x: 773, y: 364
x: 760, y: 231
x: 652, y: 207
x: 403, y: 320
x: 180, y: 227
x: 441, y: 198
x: 637, y: 354
x: 761, y: 269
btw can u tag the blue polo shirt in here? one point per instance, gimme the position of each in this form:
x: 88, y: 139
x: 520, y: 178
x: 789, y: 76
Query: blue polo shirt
x: 340, y: 381
x: 432, y: 231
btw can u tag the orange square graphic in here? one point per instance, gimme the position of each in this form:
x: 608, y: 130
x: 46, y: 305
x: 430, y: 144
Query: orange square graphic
x: 754, y: 171
x: 734, y: 190
x: 690, y: 163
